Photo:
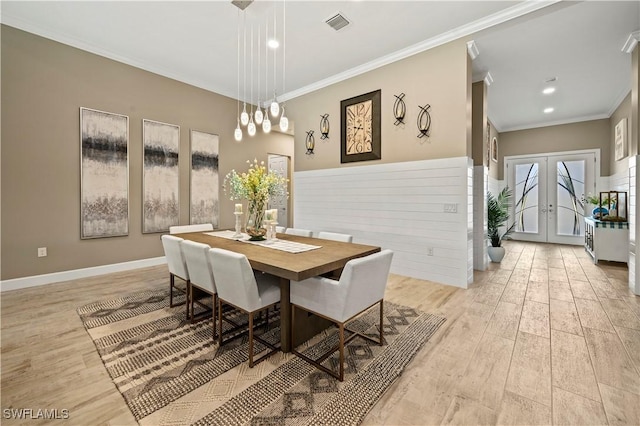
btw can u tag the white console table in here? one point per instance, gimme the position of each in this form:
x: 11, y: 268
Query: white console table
x: 605, y: 240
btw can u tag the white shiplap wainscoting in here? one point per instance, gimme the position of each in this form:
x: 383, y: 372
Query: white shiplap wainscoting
x: 633, y: 265
x: 480, y: 242
x: 400, y: 206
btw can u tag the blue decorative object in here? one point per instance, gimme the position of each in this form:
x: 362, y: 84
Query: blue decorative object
x: 599, y: 212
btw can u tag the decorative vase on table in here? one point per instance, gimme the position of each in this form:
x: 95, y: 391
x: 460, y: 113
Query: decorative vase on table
x: 256, y: 186
x: 255, y: 220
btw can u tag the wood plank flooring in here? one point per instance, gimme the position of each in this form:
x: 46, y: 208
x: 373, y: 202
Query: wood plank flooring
x: 545, y: 337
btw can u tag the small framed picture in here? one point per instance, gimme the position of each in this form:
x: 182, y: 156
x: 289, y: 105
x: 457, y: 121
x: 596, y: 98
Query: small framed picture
x: 494, y: 149
x: 620, y: 138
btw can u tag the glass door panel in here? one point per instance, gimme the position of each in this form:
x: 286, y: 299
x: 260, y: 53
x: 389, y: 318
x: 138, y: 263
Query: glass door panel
x: 574, y: 177
x: 527, y: 177
x: 548, y: 196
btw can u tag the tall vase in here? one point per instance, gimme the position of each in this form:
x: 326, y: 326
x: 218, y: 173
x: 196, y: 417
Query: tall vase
x: 255, y: 220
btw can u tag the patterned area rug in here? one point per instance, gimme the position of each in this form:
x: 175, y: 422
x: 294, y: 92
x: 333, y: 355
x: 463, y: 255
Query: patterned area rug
x: 171, y: 372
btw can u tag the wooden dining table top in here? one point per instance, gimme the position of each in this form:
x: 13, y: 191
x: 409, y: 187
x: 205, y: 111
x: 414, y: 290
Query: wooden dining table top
x: 331, y: 256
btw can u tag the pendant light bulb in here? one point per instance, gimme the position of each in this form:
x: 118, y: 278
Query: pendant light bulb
x: 244, y: 117
x: 238, y: 133
x: 258, y: 116
x: 275, y: 108
x: 266, y: 124
x: 251, y: 128
x: 284, y: 122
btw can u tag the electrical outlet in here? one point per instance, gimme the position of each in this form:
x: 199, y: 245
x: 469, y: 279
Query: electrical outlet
x: 430, y: 251
x: 451, y: 208
x: 42, y: 252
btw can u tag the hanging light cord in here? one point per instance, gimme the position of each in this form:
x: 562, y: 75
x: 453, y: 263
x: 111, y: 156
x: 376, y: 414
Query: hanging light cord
x: 284, y: 44
x: 238, y: 68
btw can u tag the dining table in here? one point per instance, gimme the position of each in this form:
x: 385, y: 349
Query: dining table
x: 326, y: 257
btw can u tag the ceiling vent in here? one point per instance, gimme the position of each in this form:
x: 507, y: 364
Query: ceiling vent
x: 337, y: 22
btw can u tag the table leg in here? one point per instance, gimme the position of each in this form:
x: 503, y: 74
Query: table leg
x: 285, y: 315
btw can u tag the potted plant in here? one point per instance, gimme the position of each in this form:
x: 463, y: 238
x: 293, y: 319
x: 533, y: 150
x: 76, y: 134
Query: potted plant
x: 497, y: 218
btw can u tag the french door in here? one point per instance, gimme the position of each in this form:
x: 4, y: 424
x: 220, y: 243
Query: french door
x: 548, y: 196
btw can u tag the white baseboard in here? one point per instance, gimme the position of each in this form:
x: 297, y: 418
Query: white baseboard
x: 56, y: 277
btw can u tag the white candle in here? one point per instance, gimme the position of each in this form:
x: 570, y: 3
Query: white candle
x: 274, y: 215
x: 238, y: 208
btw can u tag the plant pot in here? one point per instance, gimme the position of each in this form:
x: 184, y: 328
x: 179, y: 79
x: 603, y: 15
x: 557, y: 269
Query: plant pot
x: 496, y: 254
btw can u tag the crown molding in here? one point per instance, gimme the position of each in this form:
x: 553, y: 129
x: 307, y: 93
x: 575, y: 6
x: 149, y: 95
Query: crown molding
x: 500, y: 17
x: 488, y: 79
x: 632, y: 42
x: 472, y: 49
x: 552, y: 123
x: 481, y: 24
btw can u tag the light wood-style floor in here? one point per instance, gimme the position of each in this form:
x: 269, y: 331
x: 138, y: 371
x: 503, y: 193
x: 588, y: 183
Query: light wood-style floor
x: 545, y: 337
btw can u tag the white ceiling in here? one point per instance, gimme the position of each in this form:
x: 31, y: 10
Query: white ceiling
x: 520, y: 43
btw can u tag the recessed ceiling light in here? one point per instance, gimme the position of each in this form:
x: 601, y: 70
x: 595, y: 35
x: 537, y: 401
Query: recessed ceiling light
x: 549, y: 90
x: 548, y: 110
x: 273, y: 43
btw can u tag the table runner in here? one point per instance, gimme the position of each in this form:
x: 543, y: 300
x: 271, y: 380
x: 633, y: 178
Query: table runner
x: 283, y: 245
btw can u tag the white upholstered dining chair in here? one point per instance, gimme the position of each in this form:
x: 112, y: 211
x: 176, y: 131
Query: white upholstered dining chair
x: 179, y: 229
x: 239, y: 286
x: 177, y: 266
x: 361, y: 286
x: 299, y: 232
x: 200, y: 275
x: 345, y: 238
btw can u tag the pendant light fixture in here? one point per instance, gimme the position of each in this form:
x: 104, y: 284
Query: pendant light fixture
x: 284, y: 121
x: 258, y: 115
x: 275, y: 107
x: 244, y: 117
x: 251, y: 127
x: 237, y: 134
x: 266, y: 123
x: 272, y: 109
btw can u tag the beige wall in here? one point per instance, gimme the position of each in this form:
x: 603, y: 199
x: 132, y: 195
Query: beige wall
x: 44, y: 84
x: 623, y: 111
x: 479, y: 123
x: 439, y: 77
x: 566, y: 137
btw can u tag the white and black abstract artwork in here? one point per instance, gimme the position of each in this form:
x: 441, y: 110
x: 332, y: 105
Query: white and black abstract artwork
x: 104, y: 169
x: 160, y: 176
x: 204, y: 206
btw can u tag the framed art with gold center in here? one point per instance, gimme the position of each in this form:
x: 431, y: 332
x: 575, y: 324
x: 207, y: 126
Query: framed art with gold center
x: 360, y: 128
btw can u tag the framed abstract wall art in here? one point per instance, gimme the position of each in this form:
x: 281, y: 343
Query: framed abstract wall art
x: 104, y: 174
x: 160, y: 176
x: 620, y: 139
x: 494, y: 149
x: 204, y: 197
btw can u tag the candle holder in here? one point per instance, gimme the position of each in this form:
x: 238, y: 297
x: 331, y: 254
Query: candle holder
x: 271, y: 230
x: 238, y: 233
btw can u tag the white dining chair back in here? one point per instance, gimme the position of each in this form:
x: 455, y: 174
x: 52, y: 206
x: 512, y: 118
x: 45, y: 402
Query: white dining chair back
x: 175, y: 258
x: 237, y: 281
x: 365, y: 280
x: 196, y: 256
x: 179, y: 229
x: 299, y: 232
x: 361, y: 286
x: 238, y: 285
x: 345, y: 238
x: 176, y: 264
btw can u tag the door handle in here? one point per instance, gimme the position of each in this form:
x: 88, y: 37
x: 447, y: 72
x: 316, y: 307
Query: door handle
x: 544, y: 210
